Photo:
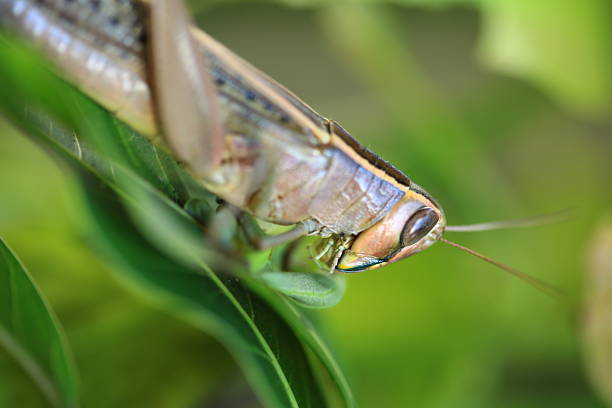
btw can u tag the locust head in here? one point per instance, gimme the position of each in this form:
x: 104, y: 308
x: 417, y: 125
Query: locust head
x: 412, y: 225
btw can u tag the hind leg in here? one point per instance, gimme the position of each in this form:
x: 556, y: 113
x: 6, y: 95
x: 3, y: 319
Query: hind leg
x: 185, y: 97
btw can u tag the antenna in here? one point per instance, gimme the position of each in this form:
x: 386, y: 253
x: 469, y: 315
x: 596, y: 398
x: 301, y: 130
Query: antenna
x: 558, y: 216
x: 535, y: 282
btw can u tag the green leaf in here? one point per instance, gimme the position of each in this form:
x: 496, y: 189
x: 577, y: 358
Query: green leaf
x: 163, y: 222
x: 30, y: 332
x: 313, y: 290
x: 308, y: 333
x: 271, y: 356
x: 167, y: 223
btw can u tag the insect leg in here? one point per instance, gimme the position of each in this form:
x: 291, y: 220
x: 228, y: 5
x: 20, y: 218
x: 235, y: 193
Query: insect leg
x: 316, y: 260
x: 343, y: 245
x: 259, y: 240
x: 288, y: 254
x: 223, y: 225
x: 185, y: 97
x: 328, y: 245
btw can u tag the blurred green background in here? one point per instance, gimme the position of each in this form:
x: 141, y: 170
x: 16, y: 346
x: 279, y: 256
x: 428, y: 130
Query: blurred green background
x: 500, y: 110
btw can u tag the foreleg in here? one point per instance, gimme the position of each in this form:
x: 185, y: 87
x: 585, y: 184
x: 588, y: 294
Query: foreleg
x: 261, y: 241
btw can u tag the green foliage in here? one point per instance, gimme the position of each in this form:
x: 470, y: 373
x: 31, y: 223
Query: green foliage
x: 545, y: 42
x: 219, y: 304
x: 552, y: 44
x: 438, y: 330
x: 29, y: 330
x: 143, y: 198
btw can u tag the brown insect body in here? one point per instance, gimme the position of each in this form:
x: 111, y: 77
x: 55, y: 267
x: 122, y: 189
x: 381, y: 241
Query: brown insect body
x: 279, y: 159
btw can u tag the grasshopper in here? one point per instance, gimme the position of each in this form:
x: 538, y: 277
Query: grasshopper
x: 247, y: 139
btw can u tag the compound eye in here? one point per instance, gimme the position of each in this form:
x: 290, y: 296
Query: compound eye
x: 418, y: 226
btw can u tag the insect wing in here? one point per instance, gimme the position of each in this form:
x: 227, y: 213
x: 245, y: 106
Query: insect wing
x: 311, y: 124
